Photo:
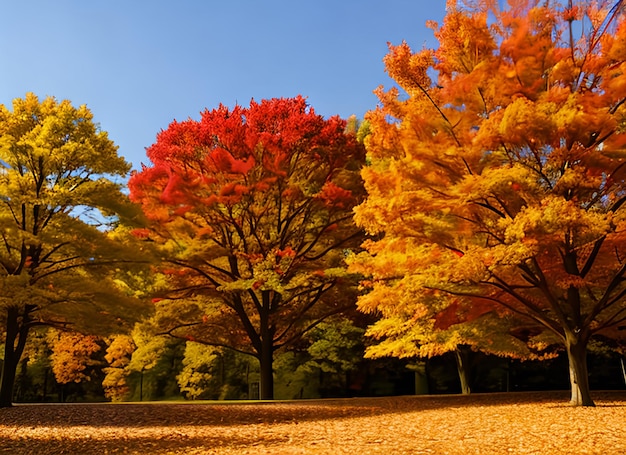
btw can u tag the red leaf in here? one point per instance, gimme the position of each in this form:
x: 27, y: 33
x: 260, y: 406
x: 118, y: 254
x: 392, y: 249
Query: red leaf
x: 141, y: 233
x: 334, y: 195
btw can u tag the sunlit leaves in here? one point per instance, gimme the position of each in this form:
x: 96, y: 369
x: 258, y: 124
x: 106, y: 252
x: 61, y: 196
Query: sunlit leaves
x: 57, y: 186
x: 252, y: 207
x: 198, y: 372
x: 498, y: 174
x: 61, y: 212
x: 72, y: 356
x: 118, y: 355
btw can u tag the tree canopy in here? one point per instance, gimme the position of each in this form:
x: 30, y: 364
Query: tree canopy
x: 497, y: 175
x: 253, y: 209
x: 60, y: 200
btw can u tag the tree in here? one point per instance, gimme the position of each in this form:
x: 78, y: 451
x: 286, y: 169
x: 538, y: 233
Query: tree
x: 253, y: 207
x: 498, y: 173
x: 72, y: 355
x: 428, y: 335
x: 118, y: 356
x: 34, y: 376
x: 154, y: 364
x: 438, y: 323
x: 196, y: 380
x: 336, y: 347
x: 335, y: 350
x: 58, y: 204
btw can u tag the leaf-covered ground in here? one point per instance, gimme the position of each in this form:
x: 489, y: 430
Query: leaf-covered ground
x: 517, y: 423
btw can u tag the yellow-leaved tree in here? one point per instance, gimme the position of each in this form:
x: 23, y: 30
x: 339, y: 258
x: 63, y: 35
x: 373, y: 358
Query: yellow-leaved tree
x: 62, y: 227
x: 497, y: 176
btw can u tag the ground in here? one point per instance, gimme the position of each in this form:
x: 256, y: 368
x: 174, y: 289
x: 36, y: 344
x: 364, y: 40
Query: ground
x: 516, y: 423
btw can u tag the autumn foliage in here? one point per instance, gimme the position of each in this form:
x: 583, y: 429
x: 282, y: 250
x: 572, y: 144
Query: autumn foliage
x: 60, y: 203
x: 492, y: 197
x: 497, y: 181
x: 253, y: 209
x: 71, y: 356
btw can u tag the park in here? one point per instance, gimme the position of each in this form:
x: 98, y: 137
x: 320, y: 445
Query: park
x: 445, y: 275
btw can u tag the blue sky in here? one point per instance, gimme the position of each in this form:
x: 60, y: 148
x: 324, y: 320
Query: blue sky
x: 139, y: 64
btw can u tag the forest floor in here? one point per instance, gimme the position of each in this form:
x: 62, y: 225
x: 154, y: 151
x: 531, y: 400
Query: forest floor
x: 513, y: 423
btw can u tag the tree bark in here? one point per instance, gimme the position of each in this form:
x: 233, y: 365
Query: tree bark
x: 266, y: 360
x: 15, y: 342
x: 579, y: 375
x: 266, y: 356
x: 462, y: 365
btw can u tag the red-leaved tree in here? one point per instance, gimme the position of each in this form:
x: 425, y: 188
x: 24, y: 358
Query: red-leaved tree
x: 253, y: 209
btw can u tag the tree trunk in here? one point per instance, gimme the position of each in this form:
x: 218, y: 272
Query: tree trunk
x: 9, y: 369
x: 13, y: 347
x: 579, y: 375
x: 266, y: 359
x: 462, y: 365
x: 44, y: 396
x: 266, y: 356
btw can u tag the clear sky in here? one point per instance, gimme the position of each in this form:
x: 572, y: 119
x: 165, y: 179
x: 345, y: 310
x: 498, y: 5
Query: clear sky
x: 139, y: 64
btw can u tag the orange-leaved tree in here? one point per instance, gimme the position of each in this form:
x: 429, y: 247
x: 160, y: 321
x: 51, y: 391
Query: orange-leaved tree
x: 498, y: 171
x: 253, y: 208
x: 72, y: 355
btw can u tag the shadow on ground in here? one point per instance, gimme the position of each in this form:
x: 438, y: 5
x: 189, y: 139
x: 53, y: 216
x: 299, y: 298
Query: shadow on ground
x: 140, y: 415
